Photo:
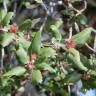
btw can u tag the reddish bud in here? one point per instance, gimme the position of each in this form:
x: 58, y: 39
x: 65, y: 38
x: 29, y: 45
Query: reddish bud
x: 13, y: 28
x: 70, y: 43
x: 29, y: 65
x: 33, y: 56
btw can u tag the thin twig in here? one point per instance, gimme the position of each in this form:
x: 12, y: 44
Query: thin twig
x: 58, y: 45
x: 95, y: 43
x: 93, y: 29
x: 15, y: 7
x: 90, y: 48
x: 70, y: 32
x: 79, y: 11
x: 77, y: 27
x: 5, y: 5
x: 69, y: 90
x: 1, y: 59
x: 44, y: 6
x: 42, y: 26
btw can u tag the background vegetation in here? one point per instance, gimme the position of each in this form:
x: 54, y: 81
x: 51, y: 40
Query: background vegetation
x: 47, y: 47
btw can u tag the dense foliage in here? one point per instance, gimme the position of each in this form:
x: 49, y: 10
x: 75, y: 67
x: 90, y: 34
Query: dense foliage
x: 48, y: 44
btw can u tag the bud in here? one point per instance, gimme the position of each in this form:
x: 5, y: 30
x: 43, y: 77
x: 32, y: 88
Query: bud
x: 13, y: 28
x: 33, y: 56
x: 29, y: 65
x: 70, y: 43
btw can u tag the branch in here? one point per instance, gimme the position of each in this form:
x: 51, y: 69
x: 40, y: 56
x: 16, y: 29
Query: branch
x: 70, y: 32
x: 79, y: 11
x: 95, y: 43
x: 5, y: 5
x: 42, y: 26
x: 77, y: 27
x: 90, y: 48
x: 1, y: 59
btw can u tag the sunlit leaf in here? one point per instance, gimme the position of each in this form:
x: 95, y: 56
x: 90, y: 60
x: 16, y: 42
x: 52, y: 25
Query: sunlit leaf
x: 25, y: 25
x: 36, y: 43
x: 83, y: 36
x: 36, y: 76
x: 47, y: 52
x: 22, y: 55
x: 17, y: 71
x: 6, y: 39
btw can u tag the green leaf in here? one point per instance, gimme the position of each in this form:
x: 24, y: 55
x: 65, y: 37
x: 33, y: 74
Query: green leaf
x: 36, y: 43
x: 56, y: 33
x: 6, y: 39
x: 45, y: 66
x: 85, y: 61
x: 36, y: 76
x: 17, y: 71
x: 74, y: 57
x: 81, y: 19
x: 66, y: 11
x: 22, y: 55
x: 92, y: 72
x: 83, y: 36
x: 24, y: 43
x: 73, y: 77
x: 25, y: 25
x: 7, y: 18
x: 2, y: 15
x: 47, y: 52
x: 56, y: 24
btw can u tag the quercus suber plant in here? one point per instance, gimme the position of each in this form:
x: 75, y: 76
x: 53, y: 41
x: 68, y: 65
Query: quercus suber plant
x: 46, y: 49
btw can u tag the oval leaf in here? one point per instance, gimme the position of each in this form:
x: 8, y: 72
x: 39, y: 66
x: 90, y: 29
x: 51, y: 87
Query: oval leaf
x: 73, y: 77
x: 47, y: 52
x: 2, y: 15
x: 25, y: 25
x: 45, y: 66
x: 6, y: 39
x: 22, y: 55
x: 7, y: 18
x: 24, y: 43
x: 36, y: 76
x: 36, y: 43
x: 83, y: 36
x: 74, y: 58
x: 17, y: 71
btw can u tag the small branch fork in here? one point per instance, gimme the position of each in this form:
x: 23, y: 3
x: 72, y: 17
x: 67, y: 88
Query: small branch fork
x: 94, y: 46
x: 78, y: 11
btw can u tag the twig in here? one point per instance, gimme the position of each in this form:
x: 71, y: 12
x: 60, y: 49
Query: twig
x: 1, y: 59
x: 77, y: 27
x: 15, y: 7
x: 42, y: 26
x: 93, y: 30
x: 70, y: 32
x: 58, y: 45
x: 94, y: 47
x: 5, y: 5
x: 62, y: 68
x: 90, y: 48
x: 78, y: 11
x: 44, y: 6
x: 69, y: 90
x: 95, y: 43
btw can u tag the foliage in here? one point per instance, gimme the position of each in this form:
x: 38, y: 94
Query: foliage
x: 35, y: 47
